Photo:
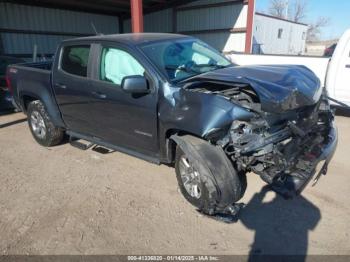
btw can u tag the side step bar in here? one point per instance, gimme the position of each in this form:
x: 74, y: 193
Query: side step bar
x: 95, y: 141
x: 73, y: 141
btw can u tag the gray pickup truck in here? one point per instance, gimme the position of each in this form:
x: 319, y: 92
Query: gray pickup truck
x: 173, y: 99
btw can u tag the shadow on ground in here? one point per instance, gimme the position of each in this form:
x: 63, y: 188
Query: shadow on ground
x: 281, y: 226
x: 342, y: 112
x: 4, y: 112
x: 11, y: 123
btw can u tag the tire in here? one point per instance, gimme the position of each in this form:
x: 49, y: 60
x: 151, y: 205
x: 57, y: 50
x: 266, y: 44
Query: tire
x: 217, y: 185
x: 243, y: 180
x: 41, y: 126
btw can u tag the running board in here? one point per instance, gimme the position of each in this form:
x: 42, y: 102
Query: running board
x: 82, y: 146
x: 97, y: 141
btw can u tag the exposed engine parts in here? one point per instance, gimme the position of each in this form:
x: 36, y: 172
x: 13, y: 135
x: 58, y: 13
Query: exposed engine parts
x: 241, y: 94
x: 285, y: 154
x: 285, y: 148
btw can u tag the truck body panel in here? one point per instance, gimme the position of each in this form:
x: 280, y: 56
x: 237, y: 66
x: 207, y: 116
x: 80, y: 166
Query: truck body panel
x: 338, y: 74
x: 33, y: 80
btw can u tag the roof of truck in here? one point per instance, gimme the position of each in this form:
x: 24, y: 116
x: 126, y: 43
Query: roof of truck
x: 134, y: 39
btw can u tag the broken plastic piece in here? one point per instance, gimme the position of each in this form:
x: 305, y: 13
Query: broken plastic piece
x: 230, y: 214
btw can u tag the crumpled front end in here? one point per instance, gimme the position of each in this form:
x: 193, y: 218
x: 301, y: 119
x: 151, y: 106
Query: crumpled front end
x: 291, y: 137
x: 287, y: 152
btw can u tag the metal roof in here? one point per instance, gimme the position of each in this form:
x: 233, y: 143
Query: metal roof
x: 108, y: 7
x: 280, y: 18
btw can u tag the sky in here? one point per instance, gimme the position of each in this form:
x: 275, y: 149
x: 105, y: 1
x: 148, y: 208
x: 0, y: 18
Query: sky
x: 337, y: 10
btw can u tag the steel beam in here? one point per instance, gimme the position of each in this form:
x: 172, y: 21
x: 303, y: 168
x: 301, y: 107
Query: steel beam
x: 136, y: 16
x: 250, y: 24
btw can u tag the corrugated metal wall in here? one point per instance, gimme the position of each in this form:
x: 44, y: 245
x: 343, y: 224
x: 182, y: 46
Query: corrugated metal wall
x: 208, y: 2
x: 23, y: 44
x: 31, y: 18
x: 292, y: 41
x: 212, y: 24
x: 208, y: 18
x: 209, y: 23
x: 160, y: 21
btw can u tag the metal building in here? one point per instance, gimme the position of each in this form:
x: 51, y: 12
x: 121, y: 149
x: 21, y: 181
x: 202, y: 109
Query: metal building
x: 23, y: 27
x: 28, y: 26
x: 273, y: 35
x: 220, y: 23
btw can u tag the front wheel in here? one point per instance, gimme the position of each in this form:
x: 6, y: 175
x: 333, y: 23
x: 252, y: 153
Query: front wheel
x: 41, y: 126
x: 209, y: 182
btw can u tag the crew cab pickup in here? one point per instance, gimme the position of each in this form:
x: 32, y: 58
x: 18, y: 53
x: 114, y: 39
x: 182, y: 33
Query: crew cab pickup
x: 173, y: 99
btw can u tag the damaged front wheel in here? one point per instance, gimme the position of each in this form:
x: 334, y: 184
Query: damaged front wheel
x: 206, y: 177
x: 190, y: 178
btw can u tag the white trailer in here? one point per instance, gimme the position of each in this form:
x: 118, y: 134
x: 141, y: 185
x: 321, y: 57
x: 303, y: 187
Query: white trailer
x: 334, y: 72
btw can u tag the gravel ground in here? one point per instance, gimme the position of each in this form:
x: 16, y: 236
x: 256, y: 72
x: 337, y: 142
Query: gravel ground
x: 62, y: 200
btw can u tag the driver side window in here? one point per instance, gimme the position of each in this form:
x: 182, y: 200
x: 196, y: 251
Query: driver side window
x: 117, y: 64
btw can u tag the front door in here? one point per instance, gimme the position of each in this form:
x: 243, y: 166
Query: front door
x: 121, y: 118
x: 72, y: 87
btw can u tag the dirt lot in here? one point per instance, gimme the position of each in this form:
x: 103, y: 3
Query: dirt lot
x: 63, y: 200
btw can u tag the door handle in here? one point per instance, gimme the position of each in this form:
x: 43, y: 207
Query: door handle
x: 347, y: 66
x: 99, y: 95
x: 61, y: 86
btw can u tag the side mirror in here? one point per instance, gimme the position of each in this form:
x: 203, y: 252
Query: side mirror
x: 135, y: 85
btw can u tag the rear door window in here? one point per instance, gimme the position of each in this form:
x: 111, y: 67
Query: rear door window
x: 75, y: 59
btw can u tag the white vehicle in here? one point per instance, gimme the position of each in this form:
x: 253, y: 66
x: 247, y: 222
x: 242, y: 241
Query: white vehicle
x: 334, y: 72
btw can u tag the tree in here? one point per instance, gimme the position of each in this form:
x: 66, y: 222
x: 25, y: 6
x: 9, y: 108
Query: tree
x: 278, y: 8
x: 314, y: 30
x: 296, y: 10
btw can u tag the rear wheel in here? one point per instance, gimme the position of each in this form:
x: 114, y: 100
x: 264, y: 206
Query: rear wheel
x: 41, y: 126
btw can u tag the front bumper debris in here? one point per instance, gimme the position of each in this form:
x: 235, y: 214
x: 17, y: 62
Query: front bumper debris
x: 289, y: 156
x: 297, y: 181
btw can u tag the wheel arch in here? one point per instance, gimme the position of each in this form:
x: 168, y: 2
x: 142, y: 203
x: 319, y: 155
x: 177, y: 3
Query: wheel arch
x: 169, y: 149
x: 49, y: 103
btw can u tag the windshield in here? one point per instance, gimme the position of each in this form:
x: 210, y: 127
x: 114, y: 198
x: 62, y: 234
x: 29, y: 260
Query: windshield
x: 184, y: 58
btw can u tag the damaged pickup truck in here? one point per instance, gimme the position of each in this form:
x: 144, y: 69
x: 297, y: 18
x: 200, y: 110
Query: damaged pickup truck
x: 173, y: 99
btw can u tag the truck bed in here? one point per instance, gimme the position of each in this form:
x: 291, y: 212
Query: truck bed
x: 47, y: 65
x: 30, y: 78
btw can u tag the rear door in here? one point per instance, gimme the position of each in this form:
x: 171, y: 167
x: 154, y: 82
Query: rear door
x: 72, y: 86
x: 123, y: 119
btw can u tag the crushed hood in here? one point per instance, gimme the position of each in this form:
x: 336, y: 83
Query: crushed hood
x: 279, y: 87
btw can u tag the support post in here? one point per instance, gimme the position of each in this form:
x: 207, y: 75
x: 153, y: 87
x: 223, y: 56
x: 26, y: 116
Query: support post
x: 136, y: 16
x: 250, y: 24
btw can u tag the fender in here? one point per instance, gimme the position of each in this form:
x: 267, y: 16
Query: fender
x: 44, y: 95
x: 201, y: 115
